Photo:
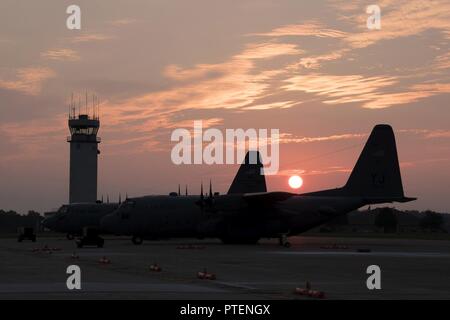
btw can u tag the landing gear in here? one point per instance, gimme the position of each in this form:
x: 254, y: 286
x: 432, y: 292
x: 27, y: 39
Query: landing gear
x: 90, y: 241
x: 26, y: 234
x: 137, y: 240
x: 90, y: 237
x: 284, y: 241
x: 70, y: 236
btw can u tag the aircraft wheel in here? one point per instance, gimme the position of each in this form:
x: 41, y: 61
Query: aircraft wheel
x: 287, y: 244
x: 69, y: 236
x: 137, y: 240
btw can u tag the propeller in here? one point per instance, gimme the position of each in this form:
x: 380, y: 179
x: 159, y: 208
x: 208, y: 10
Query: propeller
x: 208, y: 201
x: 201, y: 193
x: 210, y: 189
x: 120, y: 198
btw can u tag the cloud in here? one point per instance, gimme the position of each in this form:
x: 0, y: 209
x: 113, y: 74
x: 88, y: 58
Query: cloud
x: 63, y: 54
x: 428, y: 133
x: 386, y: 100
x: 34, y: 138
x: 305, y: 172
x: 339, y: 89
x: 433, y: 87
x: 175, y: 72
x: 311, y: 28
x: 236, y: 83
x: 289, y: 138
x: 438, y: 134
x: 371, y: 92
x: 315, y: 62
x: 28, y: 80
x: 442, y: 61
x: 268, y: 50
x: 91, y: 37
x: 399, y: 18
x: 273, y: 105
x: 122, y: 22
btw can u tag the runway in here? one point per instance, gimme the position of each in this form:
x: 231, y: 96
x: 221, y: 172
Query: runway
x: 410, y: 269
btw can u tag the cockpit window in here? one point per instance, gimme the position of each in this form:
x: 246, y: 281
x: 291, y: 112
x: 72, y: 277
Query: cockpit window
x: 129, y: 203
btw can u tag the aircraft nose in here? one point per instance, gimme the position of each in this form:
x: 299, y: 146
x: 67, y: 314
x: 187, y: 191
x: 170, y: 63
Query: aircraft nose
x: 48, y: 223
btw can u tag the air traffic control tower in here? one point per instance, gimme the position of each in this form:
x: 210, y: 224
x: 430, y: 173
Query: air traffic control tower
x: 83, y: 157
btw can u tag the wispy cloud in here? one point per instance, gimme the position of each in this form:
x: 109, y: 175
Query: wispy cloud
x: 339, y: 89
x: 315, y: 62
x: 33, y: 138
x: 400, y: 18
x: 305, y: 172
x: 312, y: 28
x: 63, y: 54
x: 442, y: 61
x: 91, y: 37
x: 428, y: 133
x: 233, y: 84
x: 273, y: 105
x: 290, y: 138
x: 28, y: 80
x: 268, y: 50
x: 122, y: 22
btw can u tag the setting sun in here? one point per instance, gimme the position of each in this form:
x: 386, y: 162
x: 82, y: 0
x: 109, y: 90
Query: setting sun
x: 295, y: 182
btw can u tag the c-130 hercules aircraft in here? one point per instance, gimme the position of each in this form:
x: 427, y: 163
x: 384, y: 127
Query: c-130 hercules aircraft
x: 248, y: 212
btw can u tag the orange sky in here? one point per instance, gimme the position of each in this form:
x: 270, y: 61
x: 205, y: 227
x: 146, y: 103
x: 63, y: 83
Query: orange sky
x: 311, y: 69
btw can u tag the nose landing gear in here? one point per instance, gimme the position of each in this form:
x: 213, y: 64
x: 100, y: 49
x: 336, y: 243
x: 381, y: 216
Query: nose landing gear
x: 137, y: 240
x: 283, y: 240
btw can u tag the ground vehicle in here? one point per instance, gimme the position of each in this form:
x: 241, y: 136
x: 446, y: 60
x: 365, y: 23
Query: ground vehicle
x: 26, y: 233
x: 90, y: 237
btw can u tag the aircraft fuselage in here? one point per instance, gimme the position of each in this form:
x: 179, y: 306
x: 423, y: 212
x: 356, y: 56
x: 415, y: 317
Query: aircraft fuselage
x: 229, y: 217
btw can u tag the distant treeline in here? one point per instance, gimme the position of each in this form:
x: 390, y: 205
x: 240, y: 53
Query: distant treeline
x: 11, y: 220
x: 387, y: 219
x: 384, y: 219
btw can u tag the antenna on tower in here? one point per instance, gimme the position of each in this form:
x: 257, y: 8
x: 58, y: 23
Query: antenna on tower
x: 72, y: 106
x: 98, y: 108
x: 70, y: 109
x: 79, y: 105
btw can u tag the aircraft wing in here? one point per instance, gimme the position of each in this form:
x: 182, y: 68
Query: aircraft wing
x: 267, y: 197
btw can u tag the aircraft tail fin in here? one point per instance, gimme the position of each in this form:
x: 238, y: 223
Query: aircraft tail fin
x: 376, y: 175
x: 249, y: 178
